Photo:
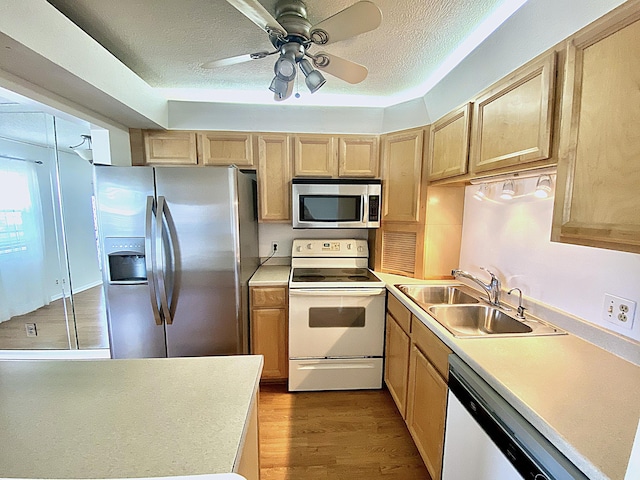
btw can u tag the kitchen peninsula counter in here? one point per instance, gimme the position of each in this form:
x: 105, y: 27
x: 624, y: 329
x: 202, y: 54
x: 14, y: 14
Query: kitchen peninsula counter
x: 581, y: 397
x: 126, y: 418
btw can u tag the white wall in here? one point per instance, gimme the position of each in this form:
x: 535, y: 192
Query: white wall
x: 285, y: 234
x: 76, y: 188
x: 513, y: 240
x: 274, y: 118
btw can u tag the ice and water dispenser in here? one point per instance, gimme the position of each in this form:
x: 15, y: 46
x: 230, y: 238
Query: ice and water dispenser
x: 126, y: 259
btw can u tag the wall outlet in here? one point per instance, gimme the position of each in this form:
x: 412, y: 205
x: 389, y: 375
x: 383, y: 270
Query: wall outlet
x: 618, y: 310
x: 32, y: 330
x: 275, y: 247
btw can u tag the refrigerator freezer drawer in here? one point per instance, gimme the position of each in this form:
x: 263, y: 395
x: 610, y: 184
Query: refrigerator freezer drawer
x: 335, y: 374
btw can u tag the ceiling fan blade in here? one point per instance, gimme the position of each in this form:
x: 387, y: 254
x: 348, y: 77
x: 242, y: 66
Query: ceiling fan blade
x: 359, y: 18
x: 346, y: 70
x: 255, y: 12
x: 225, y: 62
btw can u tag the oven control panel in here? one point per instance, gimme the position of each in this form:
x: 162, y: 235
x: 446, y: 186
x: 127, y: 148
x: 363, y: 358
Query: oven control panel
x: 330, y: 248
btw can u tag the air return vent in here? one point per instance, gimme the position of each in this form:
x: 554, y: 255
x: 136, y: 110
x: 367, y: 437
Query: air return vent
x: 399, y: 252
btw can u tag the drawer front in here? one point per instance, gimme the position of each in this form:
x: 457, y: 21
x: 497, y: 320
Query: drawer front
x: 268, y: 297
x: 399, y: 312
x: 432, y: 347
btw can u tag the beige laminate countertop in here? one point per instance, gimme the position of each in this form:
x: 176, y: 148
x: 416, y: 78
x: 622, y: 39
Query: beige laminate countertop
x: 124, y: 418
x: 270, y: 275
x: 585, y: 400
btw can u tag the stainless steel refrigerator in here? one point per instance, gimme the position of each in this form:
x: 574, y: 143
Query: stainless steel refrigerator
x: 178, y: 246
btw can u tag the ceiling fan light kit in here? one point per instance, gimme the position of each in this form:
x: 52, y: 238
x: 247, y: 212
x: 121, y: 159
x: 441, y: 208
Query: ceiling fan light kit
x: 292, y: 35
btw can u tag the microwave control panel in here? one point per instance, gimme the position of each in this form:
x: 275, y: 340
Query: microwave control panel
x: 374, y: 208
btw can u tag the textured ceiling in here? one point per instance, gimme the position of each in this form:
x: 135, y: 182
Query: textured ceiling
x: 166, y: 41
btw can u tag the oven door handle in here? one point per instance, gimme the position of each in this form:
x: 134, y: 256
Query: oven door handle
x: 338, y: 292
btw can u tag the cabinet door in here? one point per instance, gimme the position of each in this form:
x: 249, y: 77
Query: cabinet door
x: 597, y: 201
x: 396, y: 367
x: 315, y: 156
x: 170, y: 147
x: 274, y: 178
x: 449, y: 145
x: 512, y: 120
x: 358, y: 157
x: 226, y: 148
x: 269, y: 338
x: 426, y: 411
x: 268, y: 297
x: 402, y: 176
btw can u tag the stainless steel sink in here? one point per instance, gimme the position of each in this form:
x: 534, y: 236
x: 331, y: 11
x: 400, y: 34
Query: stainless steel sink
x: 480, y: 321
x: 458, y: 309
x: 426, y: 295
x: 477, y: 320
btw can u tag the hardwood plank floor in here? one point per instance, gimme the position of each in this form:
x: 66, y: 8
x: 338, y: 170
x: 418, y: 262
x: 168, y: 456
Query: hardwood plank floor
x: 333, y: 436
x: 50, y: 320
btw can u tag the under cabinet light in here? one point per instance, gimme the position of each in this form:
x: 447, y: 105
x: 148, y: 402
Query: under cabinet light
x: 508, y: 190
x: 482, y: 192
x: 543, y: 187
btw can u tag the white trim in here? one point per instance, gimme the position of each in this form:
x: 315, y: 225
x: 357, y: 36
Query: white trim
x: 55, y: 354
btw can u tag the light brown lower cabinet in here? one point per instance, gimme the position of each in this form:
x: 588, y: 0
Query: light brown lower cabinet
x: 396, y: 367
x: 416, y: 374
x: 269, y: 330
x: 427, y: 410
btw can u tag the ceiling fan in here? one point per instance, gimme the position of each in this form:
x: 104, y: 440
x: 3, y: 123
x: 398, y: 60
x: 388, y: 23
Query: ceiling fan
x: 292, y: 35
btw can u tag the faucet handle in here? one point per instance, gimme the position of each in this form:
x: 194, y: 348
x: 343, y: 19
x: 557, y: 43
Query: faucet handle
x: 493, y: 275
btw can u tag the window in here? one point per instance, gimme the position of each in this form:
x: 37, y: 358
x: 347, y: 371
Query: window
x: 15, y: 202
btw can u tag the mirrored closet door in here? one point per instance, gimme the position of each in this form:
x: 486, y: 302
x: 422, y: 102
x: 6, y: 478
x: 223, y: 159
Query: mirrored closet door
x: 50, y: 279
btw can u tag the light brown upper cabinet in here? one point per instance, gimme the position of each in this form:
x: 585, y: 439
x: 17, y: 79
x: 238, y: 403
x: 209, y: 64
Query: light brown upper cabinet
x: 597, y: 201
x: 354, y: 156
x: 274, y: 178
x: 402, y: 176
x: 512, y: 120
x: 449, y: 145
x: 358, y: 156
x: 170, y: 147
x: 315, y: 156
x: 225, y: 148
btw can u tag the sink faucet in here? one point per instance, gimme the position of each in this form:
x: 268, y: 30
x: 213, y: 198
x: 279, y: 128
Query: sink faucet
x: 492, y: 288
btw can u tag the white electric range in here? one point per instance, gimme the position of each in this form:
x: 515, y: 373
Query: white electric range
x: 336, y: 317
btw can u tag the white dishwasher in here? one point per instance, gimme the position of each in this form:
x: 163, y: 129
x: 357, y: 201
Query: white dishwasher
x: 487, y: 439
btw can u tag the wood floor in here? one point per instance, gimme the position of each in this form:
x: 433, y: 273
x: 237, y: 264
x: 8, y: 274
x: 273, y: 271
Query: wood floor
x: 353, y: 435
x: 51, y: 324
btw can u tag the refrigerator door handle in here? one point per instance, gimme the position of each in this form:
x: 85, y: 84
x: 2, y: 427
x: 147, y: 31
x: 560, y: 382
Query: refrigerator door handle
x: 149, y: 258
x: 162, y: 284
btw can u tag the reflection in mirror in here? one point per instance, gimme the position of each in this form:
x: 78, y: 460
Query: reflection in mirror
x: 50, y: 288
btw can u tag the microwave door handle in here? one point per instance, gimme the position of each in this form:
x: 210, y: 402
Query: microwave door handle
x: 365, y: 209
x: 149, y: 251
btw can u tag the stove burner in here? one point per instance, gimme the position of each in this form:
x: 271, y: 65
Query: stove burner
x: 358, y: 278
x: 311, y: 278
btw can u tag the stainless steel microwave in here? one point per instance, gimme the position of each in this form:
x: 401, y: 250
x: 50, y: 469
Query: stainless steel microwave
x: 336, y: 203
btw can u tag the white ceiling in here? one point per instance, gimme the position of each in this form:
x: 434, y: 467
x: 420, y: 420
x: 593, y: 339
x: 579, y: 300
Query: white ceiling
x: 165, y: 42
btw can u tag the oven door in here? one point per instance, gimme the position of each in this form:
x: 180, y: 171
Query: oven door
x: 336, y: 322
